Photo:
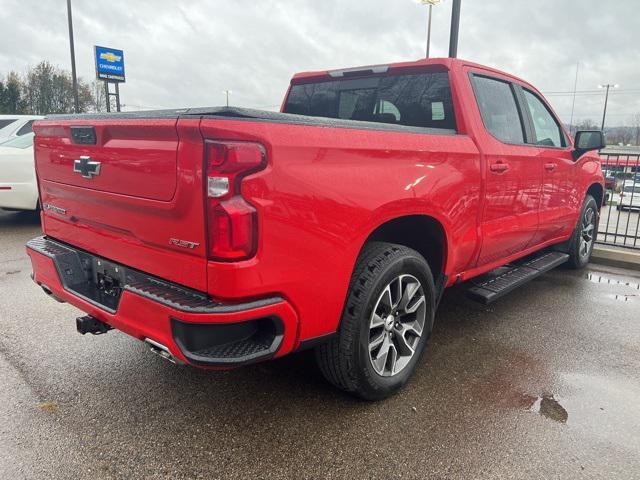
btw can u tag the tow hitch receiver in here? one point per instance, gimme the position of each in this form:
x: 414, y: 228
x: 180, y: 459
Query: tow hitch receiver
x: 89, y: 324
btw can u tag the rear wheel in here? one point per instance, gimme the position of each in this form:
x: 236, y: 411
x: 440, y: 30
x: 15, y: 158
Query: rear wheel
x: 385, y: 325
x: 584, y: 236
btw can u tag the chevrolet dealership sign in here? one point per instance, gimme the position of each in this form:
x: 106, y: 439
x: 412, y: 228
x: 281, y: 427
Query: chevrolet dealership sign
x: 109, y: 64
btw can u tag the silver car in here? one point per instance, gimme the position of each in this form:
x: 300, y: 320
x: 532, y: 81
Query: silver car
x: 629, y: 197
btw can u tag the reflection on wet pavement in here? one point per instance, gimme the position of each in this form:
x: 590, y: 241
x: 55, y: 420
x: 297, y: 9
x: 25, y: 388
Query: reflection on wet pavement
x: 597, y: 278
x: 621, y: 298
x: 626, y: 285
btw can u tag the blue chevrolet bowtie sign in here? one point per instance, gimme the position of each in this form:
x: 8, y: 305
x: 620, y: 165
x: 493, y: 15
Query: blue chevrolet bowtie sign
x: 109, y: 64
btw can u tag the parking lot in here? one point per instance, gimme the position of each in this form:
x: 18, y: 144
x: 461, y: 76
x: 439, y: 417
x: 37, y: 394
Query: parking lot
x: 619, y: 227
x: 542, y: 384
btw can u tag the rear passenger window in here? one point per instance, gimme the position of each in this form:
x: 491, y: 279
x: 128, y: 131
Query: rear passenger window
x: 26, y: 128
x: 547, y: 129
x: 420, y: 100
x: 498, y: 108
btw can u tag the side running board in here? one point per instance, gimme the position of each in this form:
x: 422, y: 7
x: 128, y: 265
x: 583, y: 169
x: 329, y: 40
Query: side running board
x: 492, y: 286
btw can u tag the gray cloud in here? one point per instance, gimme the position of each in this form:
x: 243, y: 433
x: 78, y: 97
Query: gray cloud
x: 185, y: 53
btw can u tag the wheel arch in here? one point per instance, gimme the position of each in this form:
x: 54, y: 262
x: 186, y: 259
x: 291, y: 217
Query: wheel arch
x: 597, y: 192
x: 422, y: 233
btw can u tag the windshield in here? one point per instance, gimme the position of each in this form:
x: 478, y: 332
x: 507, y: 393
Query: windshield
x: 5, y: 126
x: 25, y: 141
x: 418, y: 100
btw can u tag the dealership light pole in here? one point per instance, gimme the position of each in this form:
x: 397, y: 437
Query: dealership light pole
x: 227, y: 92
x: 606, y: 100
x: 76, y: 102
x: 430, y: 4
x: 455, y: 28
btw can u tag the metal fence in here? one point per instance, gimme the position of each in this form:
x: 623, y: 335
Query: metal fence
x: 620, y: 216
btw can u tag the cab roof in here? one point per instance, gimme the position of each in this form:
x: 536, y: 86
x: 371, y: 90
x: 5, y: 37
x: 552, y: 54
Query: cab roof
x: 442, y: 63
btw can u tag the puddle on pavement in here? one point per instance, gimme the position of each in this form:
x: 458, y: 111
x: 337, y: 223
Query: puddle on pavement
x: 549, y: 407
x: 597, y: 278
x: 604, y: 280
x: 621, y: 298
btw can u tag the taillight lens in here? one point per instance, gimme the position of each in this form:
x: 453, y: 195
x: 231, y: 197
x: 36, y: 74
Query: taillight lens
x: 232, y: 222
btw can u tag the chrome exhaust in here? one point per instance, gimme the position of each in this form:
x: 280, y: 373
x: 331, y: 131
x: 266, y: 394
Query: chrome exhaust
x: 161, y: 350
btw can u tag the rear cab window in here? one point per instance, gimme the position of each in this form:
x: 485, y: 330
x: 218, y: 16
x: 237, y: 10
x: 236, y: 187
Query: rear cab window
x: 415, y: 100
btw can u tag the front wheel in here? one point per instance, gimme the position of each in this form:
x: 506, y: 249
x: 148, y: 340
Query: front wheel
x: 584, y: 236
x: 387, y: 319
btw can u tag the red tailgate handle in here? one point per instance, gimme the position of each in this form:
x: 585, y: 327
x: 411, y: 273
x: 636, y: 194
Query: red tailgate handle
x: 499, y: 167
x: 550, y: 167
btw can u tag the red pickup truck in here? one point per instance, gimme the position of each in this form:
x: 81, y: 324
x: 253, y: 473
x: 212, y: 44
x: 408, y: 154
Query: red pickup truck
x: 224, y: 236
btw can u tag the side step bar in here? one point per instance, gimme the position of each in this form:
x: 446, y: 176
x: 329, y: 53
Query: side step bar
x: 491, y: 287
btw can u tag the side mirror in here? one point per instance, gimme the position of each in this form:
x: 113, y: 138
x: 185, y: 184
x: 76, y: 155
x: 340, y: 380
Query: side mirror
x: 587, y: 140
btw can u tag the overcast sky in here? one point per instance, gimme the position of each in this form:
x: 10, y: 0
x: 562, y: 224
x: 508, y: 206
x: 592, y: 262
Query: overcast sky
x: 185, y: 53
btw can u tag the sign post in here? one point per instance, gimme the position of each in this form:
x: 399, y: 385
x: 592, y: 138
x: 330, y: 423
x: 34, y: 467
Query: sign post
x: 110, y: 69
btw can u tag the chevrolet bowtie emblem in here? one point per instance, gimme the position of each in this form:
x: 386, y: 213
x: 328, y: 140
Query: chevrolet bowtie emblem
x: 86, y: 167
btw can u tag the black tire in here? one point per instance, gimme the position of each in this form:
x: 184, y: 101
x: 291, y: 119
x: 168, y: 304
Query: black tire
x: 579, y: 255
x: 345, y: 360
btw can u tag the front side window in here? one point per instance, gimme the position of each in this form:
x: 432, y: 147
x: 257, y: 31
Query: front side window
x: 498, y: 108
x: 547, y: 130
x: 420, y: 100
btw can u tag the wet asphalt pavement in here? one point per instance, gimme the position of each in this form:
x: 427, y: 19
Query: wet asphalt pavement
x: 543, y: 384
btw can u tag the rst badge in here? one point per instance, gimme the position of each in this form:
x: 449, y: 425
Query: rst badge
x: 86, y: 167
x: 183, y: 243
x: 53, y: 208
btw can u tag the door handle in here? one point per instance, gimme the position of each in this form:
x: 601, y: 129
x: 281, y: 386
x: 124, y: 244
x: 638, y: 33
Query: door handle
x: 550, y: 167
x: 499, y: 167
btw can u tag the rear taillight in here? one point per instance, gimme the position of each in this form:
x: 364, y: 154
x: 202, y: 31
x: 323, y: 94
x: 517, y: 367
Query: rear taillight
x: 232, y: 222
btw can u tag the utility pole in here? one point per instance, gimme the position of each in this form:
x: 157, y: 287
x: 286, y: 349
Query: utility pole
x: 227, y: 92
x: 430, y: 4
x: 573, y: 104
x: 606, y: 100
x: 455, y: 28
x: 76, y: 102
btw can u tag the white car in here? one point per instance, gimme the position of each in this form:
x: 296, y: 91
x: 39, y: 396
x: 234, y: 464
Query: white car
x: 629, y: 197
x: 18, y: 188
x: 12, y: 126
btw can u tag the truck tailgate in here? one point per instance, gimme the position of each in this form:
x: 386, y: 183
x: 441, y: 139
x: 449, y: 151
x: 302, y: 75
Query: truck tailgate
x: 127, y: 189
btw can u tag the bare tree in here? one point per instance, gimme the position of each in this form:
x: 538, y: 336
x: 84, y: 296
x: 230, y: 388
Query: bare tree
x: 99, y: 102
x: 635, y: 125
x: 586, y: 124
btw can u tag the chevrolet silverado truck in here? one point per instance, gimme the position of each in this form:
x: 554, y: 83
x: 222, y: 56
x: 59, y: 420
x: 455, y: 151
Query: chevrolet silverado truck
x: 225, y: 236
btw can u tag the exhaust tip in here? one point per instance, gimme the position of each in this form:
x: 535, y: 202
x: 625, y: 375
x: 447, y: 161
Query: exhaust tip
x: 48, y: 291
x: 161, y: 350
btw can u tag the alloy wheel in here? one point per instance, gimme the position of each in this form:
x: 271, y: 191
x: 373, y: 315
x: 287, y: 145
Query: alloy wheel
x: 588, y: 227
x: 396, y: 325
